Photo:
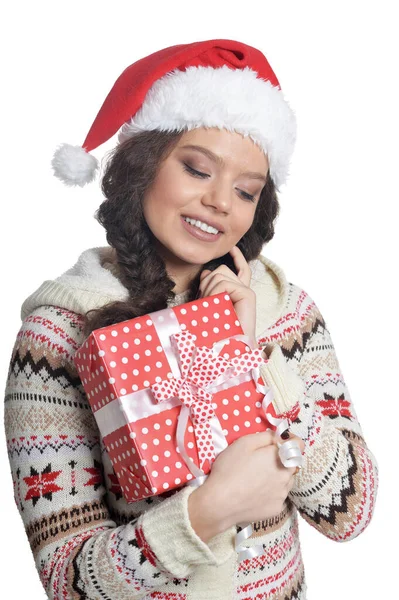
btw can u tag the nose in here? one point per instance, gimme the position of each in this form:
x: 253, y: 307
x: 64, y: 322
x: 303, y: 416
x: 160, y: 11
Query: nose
x: 219, y: 197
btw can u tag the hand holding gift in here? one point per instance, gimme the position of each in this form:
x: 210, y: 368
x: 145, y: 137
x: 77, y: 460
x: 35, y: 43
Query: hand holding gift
x: 247, y: 483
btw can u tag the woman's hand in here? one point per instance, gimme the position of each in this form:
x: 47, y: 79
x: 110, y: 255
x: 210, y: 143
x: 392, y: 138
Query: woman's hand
x: 222, y: 279
x: 247, y: 483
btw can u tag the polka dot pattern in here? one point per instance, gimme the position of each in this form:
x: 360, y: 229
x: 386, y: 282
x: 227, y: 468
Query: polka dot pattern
x: 118, y: 360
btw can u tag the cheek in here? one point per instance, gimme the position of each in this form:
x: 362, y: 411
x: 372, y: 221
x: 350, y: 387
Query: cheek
x: 174, y: 184
x: 245, y: 220
x: 155, y: 201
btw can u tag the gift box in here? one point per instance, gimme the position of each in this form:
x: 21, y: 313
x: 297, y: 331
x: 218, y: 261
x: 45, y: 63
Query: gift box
x: 170, y: 390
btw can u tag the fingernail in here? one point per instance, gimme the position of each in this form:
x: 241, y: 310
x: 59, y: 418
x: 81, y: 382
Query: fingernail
x: 285, y: 435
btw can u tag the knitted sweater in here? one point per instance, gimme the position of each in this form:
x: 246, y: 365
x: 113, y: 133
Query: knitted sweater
x: 88, y: 542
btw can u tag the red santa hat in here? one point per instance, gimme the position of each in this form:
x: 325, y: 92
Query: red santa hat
x: 213, y: 83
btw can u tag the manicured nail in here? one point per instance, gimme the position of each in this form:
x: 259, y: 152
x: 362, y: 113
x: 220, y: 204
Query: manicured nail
x: 285, y: 435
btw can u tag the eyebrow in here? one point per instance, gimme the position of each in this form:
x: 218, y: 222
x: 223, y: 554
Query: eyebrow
x: 219, y: 160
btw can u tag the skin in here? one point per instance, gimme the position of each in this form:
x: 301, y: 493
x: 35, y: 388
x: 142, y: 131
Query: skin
x: 227, y: 195
x: 221, y: 196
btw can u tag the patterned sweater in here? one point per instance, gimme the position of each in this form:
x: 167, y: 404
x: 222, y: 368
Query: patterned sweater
x: 88, y: 543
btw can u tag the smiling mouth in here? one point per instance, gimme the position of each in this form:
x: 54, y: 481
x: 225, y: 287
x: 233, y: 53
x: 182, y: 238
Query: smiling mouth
x: 199, y: 233
x: 202, y: 225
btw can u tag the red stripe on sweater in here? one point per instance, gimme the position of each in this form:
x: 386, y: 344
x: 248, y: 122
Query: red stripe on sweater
x: 51, y: 326
x: 145, y: 547
x: 270, y: 555
x: 267, y: 581
x: 168, y: 596
x: 46, y: 339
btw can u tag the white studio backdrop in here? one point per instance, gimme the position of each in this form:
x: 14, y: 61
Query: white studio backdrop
x: 335, y: 236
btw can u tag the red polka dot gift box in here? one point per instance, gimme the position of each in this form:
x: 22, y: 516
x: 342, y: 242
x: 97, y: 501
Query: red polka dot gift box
x: 170, y: 390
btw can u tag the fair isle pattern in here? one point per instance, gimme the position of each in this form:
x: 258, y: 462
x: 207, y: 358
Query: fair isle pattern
x: 336, y: 489
x: 279, y: 568
x: 89, y: 544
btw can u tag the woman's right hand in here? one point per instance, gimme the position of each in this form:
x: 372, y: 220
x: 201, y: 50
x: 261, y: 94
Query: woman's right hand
x: 247, y: 483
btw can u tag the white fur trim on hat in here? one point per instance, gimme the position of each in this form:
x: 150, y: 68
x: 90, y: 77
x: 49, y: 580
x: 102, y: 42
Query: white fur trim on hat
x: 73, y: 165
x: 234, y: 99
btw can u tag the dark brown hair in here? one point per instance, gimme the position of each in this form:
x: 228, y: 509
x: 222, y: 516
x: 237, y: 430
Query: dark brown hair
x: 130, y: 170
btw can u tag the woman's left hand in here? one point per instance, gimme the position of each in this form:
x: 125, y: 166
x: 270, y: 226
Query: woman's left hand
x: 222, y: 279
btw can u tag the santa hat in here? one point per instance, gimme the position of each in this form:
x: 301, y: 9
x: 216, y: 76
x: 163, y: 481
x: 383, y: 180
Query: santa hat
x: 214, y: 83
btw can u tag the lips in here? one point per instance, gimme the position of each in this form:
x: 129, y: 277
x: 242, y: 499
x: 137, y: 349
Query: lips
x: 206, y: 221
x: 200, y: 234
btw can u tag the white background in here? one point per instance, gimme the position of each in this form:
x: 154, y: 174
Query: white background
x: 335, y: 237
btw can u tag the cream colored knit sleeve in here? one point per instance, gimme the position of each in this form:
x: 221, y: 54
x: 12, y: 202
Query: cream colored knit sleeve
x: 336, y: 489
x: 87, y: 542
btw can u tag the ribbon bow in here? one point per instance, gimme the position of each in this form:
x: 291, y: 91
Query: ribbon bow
x: 201, y: 368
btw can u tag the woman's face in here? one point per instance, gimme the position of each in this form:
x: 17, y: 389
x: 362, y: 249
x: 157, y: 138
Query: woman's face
x: 213, y: 176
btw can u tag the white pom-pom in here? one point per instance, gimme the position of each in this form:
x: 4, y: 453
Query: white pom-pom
x: 73, y: 165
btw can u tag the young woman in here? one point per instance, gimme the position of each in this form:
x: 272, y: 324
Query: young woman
x: 205, y: 139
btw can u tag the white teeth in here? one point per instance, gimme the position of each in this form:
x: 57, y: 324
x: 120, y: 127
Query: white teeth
x: 201, y: 225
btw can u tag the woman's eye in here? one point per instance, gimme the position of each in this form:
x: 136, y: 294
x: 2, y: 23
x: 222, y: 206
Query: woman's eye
x: 204, y: 175
x: 248, y: 196
x: 194, y: 172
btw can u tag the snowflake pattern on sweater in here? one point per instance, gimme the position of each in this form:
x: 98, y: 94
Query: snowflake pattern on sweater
x: 88, y: 543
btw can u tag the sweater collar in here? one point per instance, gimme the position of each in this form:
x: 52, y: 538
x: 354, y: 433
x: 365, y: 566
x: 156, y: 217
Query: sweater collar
x: 94, y: 281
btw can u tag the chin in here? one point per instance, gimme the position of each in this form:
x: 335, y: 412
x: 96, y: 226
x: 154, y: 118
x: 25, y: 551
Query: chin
x: 192, y: 259
x: 192, y: 255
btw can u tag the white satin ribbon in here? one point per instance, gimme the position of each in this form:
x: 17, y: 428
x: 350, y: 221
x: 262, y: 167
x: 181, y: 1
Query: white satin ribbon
x: 245, y: 552
x: 289, y: 452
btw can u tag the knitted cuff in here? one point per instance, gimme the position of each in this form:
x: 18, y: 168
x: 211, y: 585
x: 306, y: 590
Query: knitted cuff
x: 288, y: 387
x: 176, y: 545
